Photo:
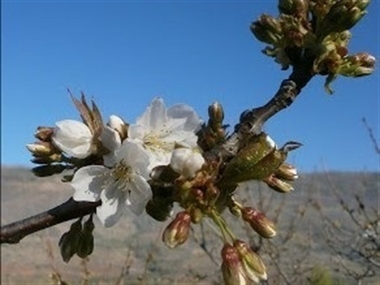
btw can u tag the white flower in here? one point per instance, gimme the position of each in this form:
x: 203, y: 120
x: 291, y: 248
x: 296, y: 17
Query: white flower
x: 117, y: 124
x: 73, y: 137
x: 121, y: 187
x: 186, y: 162
x: 159, y: 129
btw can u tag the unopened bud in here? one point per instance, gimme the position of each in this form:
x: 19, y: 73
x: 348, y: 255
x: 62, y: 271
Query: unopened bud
x: 293, y: 7
x: 357, y: 65
x: 44, y: 133
x: 186, y: 162
x: 196, y: 215
x: 278, y: 185
x: 119, y: 126
x: 267, y: 29
x: 287, y: 172
x: 259, y: 222
x: 343, y: 15
x: 216, y: 114
x: 56, y: 157
x: 248, y: 163
x: 232, y: 266
x: 42, y: 148
x: 177, y: 232
x: 253, y: 265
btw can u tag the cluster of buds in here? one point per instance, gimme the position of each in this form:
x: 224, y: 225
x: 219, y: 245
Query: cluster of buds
x: 317, y: 30
x: 78, y: 240
x: 44, y: 151
x: 281, y: 179
x: 70, y: 144
x: 211, y: 188
x: 241, y: 264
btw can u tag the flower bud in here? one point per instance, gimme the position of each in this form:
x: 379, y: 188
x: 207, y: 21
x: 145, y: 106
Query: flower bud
x: 343, y: 15
x: 253, y: 265
x: 287, y: 172
x: 44, y: 133
x: 267, y: 29
x: 177, y: 232
x: 216, y: 115
x: 73, y: 137
x: 247, y: 164
x: 293, y: 7
x: 357, y: 65
x: 186, y: 162
x: 41, y: 148
x: 56, y: 157
x: 232, y: 266
x: 259, y: 222
x: 196, y: 215
x: 119, y: 126
x: 278, y: 185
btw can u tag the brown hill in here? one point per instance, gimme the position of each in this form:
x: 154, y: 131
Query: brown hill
x: 133, y: 247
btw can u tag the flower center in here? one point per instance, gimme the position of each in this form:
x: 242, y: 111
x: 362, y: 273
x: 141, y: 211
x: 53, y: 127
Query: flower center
x: 121, y: 175
x: 156, y: 143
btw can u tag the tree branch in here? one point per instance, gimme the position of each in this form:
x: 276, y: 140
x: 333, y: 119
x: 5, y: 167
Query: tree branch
x: 252, y: 121
x: 69, y: 210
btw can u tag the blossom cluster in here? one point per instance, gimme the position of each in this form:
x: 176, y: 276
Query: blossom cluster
x: 167, y: 156
x: 317, y: 31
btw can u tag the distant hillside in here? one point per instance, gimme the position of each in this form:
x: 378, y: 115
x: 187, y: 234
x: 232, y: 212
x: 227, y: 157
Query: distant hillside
x: 23, y: 195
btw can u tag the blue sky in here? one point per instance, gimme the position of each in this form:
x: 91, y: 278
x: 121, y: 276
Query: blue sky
x: 122, y: 54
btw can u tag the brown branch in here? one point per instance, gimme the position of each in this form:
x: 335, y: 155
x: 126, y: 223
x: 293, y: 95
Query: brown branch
x: 69, y: 210
x: 252, y: 121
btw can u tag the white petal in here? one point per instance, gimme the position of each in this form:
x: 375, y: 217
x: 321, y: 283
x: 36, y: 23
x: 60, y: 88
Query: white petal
x: 111, y: 209
x: 140, y: 194
x: 88, y: 182
x: 178, y: 159
x: 193, y: 122
x: 193, y: 164
x: 110, y: 138
x: 136, y: 132
x: 116, y: 123
x: 73, y: 138
x: 158, y: 157
x: 154, y: 116
x: 134, y: 156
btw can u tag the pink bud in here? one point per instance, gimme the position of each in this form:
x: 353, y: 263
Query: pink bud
x: 177, y: 232
x: 232, y: 266
x: 259, y: 222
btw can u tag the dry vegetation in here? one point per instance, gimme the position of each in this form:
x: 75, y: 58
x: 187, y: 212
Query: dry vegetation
x: 328, y: 234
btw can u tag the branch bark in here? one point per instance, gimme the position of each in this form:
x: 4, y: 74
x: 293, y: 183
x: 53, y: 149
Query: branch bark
x: 251, y: 123
x: 69, y: 210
